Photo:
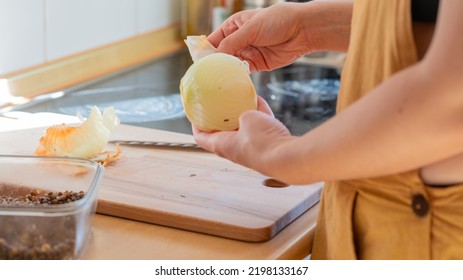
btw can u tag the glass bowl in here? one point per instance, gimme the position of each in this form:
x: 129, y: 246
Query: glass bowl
x: 46, y: 206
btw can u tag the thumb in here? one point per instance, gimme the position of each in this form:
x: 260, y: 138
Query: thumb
x: 263, y: 106
x: 263, y: 113
x: 253, y: 118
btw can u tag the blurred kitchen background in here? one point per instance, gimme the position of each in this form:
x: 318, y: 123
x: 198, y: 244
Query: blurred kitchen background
x: 65, y: 56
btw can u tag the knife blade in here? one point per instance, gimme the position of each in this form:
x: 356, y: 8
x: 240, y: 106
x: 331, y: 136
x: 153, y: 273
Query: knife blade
x: 159, y: 144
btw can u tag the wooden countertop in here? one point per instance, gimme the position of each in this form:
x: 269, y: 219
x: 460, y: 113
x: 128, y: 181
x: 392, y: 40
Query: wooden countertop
x: 118, y: 239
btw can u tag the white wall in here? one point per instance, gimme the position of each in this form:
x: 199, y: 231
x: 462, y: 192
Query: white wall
x: 36, y: 31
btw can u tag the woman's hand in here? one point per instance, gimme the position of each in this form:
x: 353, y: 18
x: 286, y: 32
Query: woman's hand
x: 267, y: 38
x: 276, y: 36
x: 252, y: 143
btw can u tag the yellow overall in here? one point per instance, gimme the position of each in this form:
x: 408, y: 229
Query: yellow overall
x: 391, y: 217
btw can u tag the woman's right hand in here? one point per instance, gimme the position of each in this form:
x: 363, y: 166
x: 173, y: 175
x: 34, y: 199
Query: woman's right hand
x: 276, y: 36
x: 267, y: 38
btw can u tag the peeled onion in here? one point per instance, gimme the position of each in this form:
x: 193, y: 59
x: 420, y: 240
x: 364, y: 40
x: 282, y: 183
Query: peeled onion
x: 85, y: 141
x: 216, y: 90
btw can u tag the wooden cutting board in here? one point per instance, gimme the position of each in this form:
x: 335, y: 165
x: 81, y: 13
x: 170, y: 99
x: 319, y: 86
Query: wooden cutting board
x: 191, y: 190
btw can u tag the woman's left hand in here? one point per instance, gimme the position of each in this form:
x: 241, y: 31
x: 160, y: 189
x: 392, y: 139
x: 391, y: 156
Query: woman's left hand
x: 252, y: 144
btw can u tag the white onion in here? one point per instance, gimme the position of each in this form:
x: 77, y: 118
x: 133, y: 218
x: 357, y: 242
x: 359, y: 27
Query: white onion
x: 216, y: 90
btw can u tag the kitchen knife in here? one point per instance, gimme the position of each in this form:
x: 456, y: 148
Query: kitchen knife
x: 160, y: 144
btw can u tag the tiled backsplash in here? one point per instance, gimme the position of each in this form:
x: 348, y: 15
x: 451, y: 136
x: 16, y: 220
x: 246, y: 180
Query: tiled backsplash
x: 37, y: 31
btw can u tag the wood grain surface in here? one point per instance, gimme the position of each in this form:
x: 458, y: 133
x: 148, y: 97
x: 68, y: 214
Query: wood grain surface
x: 186, y: 189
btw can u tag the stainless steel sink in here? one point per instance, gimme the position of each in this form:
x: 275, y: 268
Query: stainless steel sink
x: 148, y: 95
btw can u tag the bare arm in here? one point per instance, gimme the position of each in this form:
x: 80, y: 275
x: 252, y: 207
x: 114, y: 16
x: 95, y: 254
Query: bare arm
x: 414, y: 118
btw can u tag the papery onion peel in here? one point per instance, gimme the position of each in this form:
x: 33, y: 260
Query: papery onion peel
x: 86, y: 140
x: 199, y: 47
x: 108, y: 157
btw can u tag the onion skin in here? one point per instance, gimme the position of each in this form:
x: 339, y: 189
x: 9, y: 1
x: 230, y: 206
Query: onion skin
x: 215, y: 91
x: 199, y: 47
x: 84, y: 141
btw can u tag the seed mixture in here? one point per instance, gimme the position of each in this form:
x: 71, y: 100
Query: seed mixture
x: 38, y: 197
x: 35, y: 237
